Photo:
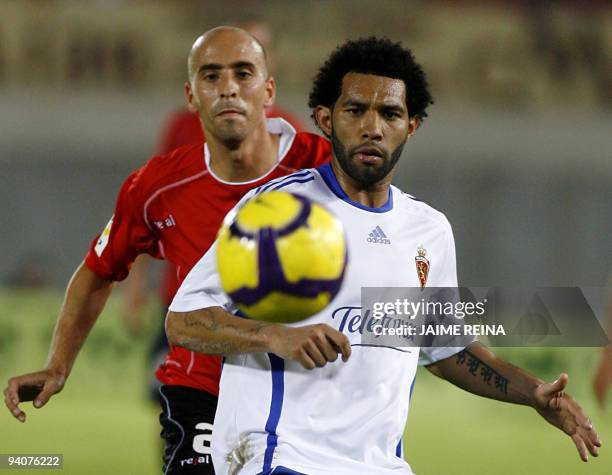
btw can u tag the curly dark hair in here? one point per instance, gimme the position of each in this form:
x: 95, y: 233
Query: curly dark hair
x: 372, y: 55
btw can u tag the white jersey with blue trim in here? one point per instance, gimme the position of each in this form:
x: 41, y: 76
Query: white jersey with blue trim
x: 346, y: 417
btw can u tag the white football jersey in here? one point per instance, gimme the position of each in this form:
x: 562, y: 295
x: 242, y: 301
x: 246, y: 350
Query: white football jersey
x: 345, y: 418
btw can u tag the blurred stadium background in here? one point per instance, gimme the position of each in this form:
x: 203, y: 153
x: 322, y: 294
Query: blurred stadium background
x: 516, y: 151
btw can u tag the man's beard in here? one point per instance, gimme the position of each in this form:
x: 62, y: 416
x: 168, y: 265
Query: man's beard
x: 230, y: 135
x: 366, y: 176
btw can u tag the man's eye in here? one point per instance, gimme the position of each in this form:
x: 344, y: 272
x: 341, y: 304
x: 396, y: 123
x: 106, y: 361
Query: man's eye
x: 210, y: 76
x: 391, y: 115
x: 354, y: 111
x: 244, y: 74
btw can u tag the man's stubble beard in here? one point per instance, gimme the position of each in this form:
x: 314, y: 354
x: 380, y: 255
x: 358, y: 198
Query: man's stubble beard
x: 232, y: 141
x: 365, y: 176
x: 230, y: 135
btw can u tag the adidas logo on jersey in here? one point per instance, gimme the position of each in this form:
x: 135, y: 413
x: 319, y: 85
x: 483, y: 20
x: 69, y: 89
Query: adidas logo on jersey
x: 378, y: 236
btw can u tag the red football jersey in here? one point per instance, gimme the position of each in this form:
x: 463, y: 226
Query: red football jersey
x: 184, y: 128
x: 171, y: 208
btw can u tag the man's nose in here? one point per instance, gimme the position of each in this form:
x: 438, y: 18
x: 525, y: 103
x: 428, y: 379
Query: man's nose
x: 371, y: 126
x: 228, y: 86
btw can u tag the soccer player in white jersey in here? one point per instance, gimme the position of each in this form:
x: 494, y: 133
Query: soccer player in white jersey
x: 287, y: 404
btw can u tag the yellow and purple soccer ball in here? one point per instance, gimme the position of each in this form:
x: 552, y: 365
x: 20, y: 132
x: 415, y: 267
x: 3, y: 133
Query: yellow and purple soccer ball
x: 281, y: 257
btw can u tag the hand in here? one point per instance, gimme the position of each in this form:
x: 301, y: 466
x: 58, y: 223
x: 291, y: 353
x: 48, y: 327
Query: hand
x: 38, y: 386
x: 563, y: 412
x: 603, y: 377
x: 311, y: 346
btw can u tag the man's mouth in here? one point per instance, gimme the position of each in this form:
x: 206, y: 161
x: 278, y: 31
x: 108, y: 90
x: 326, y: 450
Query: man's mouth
x: 368, y: 155
x: 230, y: 112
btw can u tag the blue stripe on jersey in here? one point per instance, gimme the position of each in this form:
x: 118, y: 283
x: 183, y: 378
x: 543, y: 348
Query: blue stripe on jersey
x: 262, y: 188
x: 280, y: 470
x: 277, y: 365
x: 398, y: 449
x: 291, y: 182
x: 327, y: 173
x: 412, y: 387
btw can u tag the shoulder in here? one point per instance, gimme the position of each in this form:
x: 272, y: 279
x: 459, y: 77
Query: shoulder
x: 411, y: 206
x: 295, y: 183
x: 279, y: 111
x: 308, y: 148
x: 288, y: 182
x: 181, y: 164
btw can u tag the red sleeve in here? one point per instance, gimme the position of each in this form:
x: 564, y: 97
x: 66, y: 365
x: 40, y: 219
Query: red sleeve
x: 311, y: 150
x: 126, y: 235
x: 322, y: 153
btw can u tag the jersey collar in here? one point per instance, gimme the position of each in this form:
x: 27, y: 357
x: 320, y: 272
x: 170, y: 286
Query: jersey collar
x: 276, y: 126
x: 329, y: 177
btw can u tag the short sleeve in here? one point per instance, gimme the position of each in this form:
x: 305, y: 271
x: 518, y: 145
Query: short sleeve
x: 447, y: 277
x: 125, y: 236
x: 202, y: 286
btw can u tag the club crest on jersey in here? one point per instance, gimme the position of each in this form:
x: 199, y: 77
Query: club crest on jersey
x: 422, y: 266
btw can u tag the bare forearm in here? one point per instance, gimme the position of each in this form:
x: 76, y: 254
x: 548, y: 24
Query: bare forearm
x: 215, y: 331
x: 477, y: 370
x: 85, y: 298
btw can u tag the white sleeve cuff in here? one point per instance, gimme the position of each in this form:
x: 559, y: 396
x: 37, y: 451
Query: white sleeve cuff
x: 429, y: 356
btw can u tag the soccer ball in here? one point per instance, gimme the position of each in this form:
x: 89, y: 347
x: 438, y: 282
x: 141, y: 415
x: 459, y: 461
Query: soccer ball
x: 281, y: 257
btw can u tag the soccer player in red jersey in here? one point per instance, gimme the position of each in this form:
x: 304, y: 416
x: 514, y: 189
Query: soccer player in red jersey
x: 182, y: 128
x: 171, y: 209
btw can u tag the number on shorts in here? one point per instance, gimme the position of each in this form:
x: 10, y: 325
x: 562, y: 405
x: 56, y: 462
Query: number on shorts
x: 201, y: 442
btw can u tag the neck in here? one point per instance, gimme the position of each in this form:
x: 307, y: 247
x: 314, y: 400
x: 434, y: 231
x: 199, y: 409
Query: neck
x: 372, y: 196
x: 253, y: 157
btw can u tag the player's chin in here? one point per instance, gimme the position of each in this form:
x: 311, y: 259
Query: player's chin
x: 367, y: 175
x: 369, y: 165
x: 231, y: 121
x: 229, y: 131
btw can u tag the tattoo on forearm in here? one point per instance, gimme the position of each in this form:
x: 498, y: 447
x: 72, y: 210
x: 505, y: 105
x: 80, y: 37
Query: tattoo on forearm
x: 487, y: 374
x: 212, y: 324
x: 208, y: 348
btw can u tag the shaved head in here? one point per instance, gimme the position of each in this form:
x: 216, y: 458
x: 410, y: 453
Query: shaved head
x: 220, y: 37
x: 229, y: 86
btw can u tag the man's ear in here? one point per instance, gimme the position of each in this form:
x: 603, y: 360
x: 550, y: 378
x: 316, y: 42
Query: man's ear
x: 270, y: 92
x: 323, y: 117
x: 189, y: 98
x: 413, y: 124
